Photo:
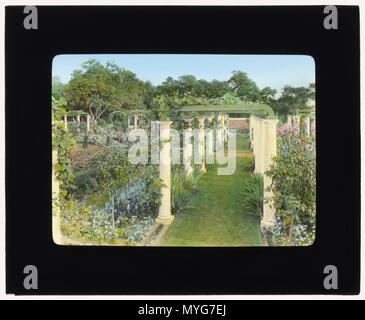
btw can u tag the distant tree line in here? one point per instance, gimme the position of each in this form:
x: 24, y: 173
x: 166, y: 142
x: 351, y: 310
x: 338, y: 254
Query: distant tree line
x: 102, y: 89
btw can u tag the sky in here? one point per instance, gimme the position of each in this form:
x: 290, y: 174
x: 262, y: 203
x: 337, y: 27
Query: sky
x: 273, y: 71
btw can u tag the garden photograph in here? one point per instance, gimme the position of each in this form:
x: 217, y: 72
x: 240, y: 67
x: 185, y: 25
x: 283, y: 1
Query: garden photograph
x: 183, y: 150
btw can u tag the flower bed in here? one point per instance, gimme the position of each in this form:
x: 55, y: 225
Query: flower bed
x: 293, y: 174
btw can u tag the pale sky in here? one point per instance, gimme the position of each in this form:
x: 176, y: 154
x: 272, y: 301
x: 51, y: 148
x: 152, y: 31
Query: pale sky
x: 273, y: 71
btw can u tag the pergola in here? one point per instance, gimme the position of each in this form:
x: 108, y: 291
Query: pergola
x: 262, y: 137
x: 78, y: 114
x: 262, y: 126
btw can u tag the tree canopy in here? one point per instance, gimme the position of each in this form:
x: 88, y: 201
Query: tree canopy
x: 102, y: 89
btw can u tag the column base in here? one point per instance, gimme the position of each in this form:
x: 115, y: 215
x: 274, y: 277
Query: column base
x: 189, y: 170
x: 266, y: 234
x: 203, y: 169
x: 165, y: 220
x: 267, y: 224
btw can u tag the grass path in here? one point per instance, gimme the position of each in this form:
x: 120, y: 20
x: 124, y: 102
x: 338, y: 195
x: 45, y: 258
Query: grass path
x: 215, y: 216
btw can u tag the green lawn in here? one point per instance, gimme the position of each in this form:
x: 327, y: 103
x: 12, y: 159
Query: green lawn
x: 215, y: 216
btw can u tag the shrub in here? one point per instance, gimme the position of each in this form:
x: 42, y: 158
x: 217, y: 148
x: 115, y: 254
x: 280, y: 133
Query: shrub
x: 293, y: 174
x: 85, y: 142
x: 87, y: 223
x: 101, y: 123
x: 182, y: 187
x: 253, y: 196
x: 138, y: 198
x: 73, y: 216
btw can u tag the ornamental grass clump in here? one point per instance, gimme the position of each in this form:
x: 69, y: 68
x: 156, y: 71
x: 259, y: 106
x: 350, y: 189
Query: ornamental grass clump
x: 252, y: 195
x: 182, y: 187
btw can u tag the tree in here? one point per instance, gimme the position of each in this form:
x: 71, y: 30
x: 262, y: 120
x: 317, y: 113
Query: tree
x: 149, y: 91
x: 100, y: 89
x: 57, y: 87
x: 267, y: 95
x: 293, y: 99
x: 245, y: 88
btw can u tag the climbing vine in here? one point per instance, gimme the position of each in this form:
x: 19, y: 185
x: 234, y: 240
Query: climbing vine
x: 62, y: 142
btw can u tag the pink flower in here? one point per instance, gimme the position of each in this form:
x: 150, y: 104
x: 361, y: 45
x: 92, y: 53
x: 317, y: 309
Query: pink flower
x: 309, y: 147
x: 295, y: 128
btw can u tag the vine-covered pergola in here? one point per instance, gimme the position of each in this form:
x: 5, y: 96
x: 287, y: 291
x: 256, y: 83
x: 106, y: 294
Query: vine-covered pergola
x: 262, y: 137
x: 262, y: 127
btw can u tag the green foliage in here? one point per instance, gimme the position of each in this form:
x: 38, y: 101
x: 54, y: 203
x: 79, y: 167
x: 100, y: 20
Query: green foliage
x: 182, y: 187
x: 100, y: 89
x: 253, y: 195
x: 190, y: 90
x: 57, y: 88
x: 85, y: 142
x: 293, y: 99
x: 108, y: 140
x: 62, y: 142
x: 245, y: 88
x: 195, y: 123
x: 293, y: 174
x: 87, y: 224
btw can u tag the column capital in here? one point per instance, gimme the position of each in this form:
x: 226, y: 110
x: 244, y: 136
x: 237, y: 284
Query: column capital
x: 271, y: 123
x: 165, y: 123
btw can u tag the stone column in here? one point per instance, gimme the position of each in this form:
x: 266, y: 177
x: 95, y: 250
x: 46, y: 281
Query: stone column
x: 164, y: 213
x: 225, y: 121
x: 88, y: 123
x: 188, y: 150
x: 296, y: 119
x: 219, y: 126
x: 135, y: 122
x: 251, y: 130
x: 56, y: 219
x: 307, y: 126
x: 262, y: 146
x: 289, y: 122
x: 78, y: 122
x: 65, y: 121
x: 268, y: 220
x: 255, y: 135
x: 202, y: 143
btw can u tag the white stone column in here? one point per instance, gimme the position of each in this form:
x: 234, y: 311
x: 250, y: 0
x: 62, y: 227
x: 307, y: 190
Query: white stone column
x: 255, y: 135
x: 296, y: 119
x: 78, y: 122
x: 65, y: 121
x: 259, y: 157
x: 219, y: 137
x: 289, y: 122
x: 188, y: 150
x: 164, y: 213
x: 225, y: 121
x: 88, y: 123
x: 56, y: 219
x: 307, y: 125
x: 268, y: 220
x: 202, y: 143
x: 251, y: 130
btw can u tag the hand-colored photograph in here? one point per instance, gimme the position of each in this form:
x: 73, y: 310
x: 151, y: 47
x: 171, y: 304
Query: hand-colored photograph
x: 183, y: 150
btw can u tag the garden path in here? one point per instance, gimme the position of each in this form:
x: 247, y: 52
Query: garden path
x: 214, y: 216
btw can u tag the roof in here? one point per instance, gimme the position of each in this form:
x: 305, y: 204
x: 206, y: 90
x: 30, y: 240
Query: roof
x: 254, y: 108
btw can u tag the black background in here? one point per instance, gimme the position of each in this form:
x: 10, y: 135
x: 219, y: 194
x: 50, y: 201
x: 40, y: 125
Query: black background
x: 240, y: 30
